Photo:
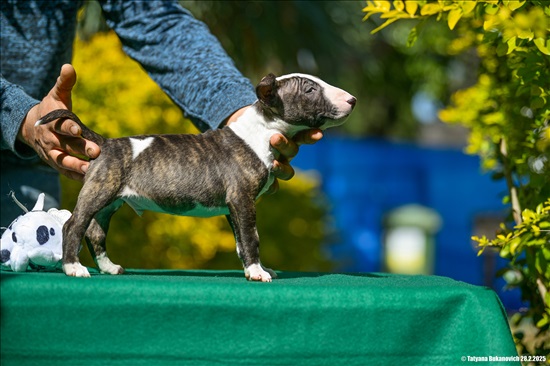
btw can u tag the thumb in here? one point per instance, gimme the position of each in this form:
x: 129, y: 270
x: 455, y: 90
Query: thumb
x: 64, y: 85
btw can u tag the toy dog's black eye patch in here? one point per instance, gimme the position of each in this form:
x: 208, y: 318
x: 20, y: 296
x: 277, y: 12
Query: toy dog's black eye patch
x: 13, y: 237
x: 42, y: 235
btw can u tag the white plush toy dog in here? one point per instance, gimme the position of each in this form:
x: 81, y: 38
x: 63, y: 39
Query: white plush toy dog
x: 34, y: 239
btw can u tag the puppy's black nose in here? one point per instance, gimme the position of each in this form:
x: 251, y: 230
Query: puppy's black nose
x: 352, y: 101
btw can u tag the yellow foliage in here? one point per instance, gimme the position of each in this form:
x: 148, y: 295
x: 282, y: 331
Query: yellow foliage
x: 116, y: 97
x: 501, y: 16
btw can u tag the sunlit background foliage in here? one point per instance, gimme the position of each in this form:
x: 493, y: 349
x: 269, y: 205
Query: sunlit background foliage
x: 328, y: 39
x: 507, y: 112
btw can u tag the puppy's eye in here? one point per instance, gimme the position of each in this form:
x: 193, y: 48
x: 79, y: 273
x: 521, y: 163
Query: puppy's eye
x: 310, y: 90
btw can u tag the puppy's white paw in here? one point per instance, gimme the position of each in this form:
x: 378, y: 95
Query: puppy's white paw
x: 106, y: 266
x: 76, y: 270
x: 255, y: 272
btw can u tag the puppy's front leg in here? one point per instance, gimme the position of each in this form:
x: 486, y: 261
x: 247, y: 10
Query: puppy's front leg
x: 242, y: 218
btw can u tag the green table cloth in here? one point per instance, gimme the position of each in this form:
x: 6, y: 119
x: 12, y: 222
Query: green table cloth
x: 218, y: 318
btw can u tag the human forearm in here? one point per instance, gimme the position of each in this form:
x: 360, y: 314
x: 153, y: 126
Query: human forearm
x: 14, y: 106
x: 183, y: 57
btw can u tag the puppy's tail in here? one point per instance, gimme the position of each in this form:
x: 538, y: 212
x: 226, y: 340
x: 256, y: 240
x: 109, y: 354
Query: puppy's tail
x: 66, y: 114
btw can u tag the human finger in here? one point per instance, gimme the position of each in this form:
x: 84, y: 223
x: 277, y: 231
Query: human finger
x: 286, y: 147
x: 64, y: 85
x: 68, y: 133
x: 67, y: 164
x: 282, y: 170
x: 308, y: 137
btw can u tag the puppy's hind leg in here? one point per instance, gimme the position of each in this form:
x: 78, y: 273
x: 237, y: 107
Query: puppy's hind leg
x: 92, y: 198
x: 96, y: 236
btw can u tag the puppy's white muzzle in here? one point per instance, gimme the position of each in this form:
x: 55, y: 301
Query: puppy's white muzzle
x: 343, y: 103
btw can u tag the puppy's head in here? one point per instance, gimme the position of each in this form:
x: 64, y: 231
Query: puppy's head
x: 304, y: 101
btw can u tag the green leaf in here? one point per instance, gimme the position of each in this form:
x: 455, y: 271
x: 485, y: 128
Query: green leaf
x: 537, y: 91
x: 505, y: 252
x: 384, y: 5
x: 514, y: 244
x: 491, y: 23
x: 541, y: 263
x: 543, y: 45
x: 525, y: 34
x: 514, y: 5
x: 386, y: 23
x: 413, y: 36
x: 394, y: 14
x: 527, y: 215
x: 410, y: 7
x: 491, y: 9
x: 430, y: 9
x: 511, y: 45
x: 454, y: 17
x: 502, y: 49
x: 398, y: 5
x: 523, y: 90
x: 377, y: 6
x: 537, y: 102
x: 542, y: 322
x: 468, y: 6
x: 527, y: 73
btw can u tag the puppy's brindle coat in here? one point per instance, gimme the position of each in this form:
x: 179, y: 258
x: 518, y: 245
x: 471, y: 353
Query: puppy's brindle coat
x: 219, y: 172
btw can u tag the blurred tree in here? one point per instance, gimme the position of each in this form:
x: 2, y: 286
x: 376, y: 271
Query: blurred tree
x: 115, y: 97
x: 508, y: 113
x: 325, y: 38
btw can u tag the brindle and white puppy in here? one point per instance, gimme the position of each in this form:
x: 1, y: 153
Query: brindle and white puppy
x: 219, y: 172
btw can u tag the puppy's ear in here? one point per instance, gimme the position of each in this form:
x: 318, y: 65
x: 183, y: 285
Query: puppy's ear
x: 267, y: 90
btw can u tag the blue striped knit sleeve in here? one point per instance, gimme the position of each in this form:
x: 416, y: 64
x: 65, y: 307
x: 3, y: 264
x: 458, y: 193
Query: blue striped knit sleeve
x: 183, y: 57
x: 14, y: 105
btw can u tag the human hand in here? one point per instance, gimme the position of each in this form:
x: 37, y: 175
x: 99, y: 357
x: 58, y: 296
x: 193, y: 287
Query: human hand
x: 287, y: 149
x: 59, y: 144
